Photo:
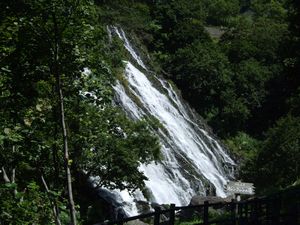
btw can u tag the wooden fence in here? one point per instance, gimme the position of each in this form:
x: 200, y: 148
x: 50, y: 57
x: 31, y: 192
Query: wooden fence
x: 282, y: 208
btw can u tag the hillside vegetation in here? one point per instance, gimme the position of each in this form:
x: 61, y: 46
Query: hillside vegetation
x: 245, y: 83
x: 58, y: 125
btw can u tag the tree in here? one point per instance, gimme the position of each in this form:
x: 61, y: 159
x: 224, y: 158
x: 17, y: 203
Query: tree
x: 251, y: 77
x: 46, y: 88
x: 176, y: 19
x: 220, y: 11
x: 29, y: 206
x: 275, y: 10
x: 111, y: 149
x: 246, y: 149
x: 260, y: 39
x: 278, y: 161
x: 254, y: 49
x: 203, y: 74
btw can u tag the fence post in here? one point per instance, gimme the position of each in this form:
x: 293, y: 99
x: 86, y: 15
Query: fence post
x: 276, y: 211
x: 205, y: 213
x: 240, y: 212
x: 156, y: 215
x: 294, y: 210
x: 172, y: 214
x: 268, y: 212
x: 246, y: 212
x: 232, y: 209
x: 255, y: 211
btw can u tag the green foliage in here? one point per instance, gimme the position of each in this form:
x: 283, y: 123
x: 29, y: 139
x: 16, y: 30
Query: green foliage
x: 242, y: 85
x: 180, y: 23
x: 278, y: 162
x: 275, y: 10
x: 196, y: 221
x: 110, y: 146
x: 244, y: 146
x: 133, y: 15
x: 245, y: 149
x: 260, y: 39
x: 220, y: 12
x: 251, y: 77
x: 40, y: 40
x: 294, y: 103
x: 28, y: 206
x: 201, y: 70
x: 185, y: 33
x: 219, y: 215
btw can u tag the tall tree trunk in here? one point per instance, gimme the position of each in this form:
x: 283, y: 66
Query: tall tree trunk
x: 63, y: 122
x: 66, y: 153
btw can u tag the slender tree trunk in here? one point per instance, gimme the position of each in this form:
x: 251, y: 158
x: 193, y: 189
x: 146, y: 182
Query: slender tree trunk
x: 63, y: 122
x: 54, y: 206
x: 66, y: 154
x: 55, y: 156
x: 13, y: 174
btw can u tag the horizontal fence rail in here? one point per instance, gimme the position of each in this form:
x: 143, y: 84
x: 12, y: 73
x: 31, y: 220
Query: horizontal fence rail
x: 282, y: 208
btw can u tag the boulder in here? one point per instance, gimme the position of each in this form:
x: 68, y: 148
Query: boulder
x: 143, y: 207
x: 136, y: 222
x: 189, y: 214
x: 199, y: 200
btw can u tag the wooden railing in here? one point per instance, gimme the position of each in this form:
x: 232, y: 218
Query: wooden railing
x: 282, y: 208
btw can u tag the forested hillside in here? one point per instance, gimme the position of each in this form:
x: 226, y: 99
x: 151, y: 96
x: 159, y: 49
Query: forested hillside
x: 58, y: 122
x: 244, y: 81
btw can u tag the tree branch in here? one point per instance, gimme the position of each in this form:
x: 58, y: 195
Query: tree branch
x: 54, y: 206
x: 5, y: 177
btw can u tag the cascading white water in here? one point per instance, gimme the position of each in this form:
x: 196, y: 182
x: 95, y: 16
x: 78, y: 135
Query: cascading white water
x: 192, y: 158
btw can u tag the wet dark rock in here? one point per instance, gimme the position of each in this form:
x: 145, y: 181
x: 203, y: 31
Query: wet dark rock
x: 136, y: 222
x: 199, y: 200
x: 143, y: 207
x: 189, y: 214
x: 97, y: 204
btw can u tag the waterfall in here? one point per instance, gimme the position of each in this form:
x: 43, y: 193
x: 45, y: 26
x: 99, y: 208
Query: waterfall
x: 192, y: 157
